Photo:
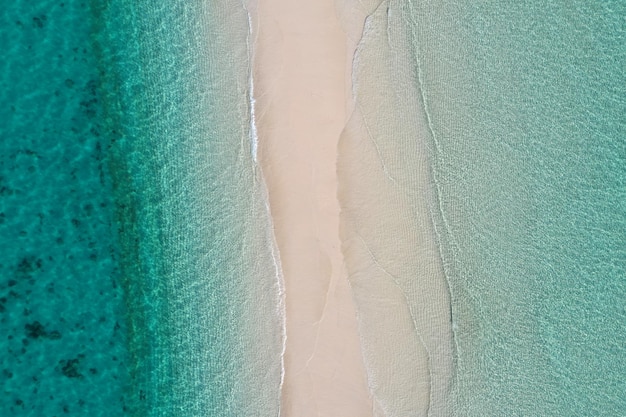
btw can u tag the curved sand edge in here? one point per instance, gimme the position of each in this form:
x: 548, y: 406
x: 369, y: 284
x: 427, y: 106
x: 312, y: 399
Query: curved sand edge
x: 390, y: 246
x: 303, y: 69
x: 302, y: 94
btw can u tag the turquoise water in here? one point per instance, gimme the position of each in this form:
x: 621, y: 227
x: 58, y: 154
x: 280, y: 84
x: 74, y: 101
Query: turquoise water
x: 137, y: 264
x: 136, y: 270
x: 527, y: 110
x: 204, y: 312
x: 64, y: 339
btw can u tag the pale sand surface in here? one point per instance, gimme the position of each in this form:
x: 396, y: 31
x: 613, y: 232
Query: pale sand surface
x: 301, y: 69
x: 369, y: 248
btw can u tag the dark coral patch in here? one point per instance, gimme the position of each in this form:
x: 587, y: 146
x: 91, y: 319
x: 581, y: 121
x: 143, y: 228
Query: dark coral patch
x: 70, y: 368
x: 35, y: 330
x: 39, y: 21
x: 28, y: 265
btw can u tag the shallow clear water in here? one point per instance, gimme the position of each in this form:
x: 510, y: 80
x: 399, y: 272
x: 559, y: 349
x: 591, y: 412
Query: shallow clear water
x: 134, y: 228
x: 527, y: 104
x: 205, y: 310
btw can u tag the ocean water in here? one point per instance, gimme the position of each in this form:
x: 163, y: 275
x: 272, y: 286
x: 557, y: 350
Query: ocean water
x: 526, y: 105
x: 137, y: 268
x: 137, y: 274
x: 64, y: 336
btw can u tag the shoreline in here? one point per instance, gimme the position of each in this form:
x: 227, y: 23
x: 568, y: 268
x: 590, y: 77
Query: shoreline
x: 367, y: 309
x: 302, y: 103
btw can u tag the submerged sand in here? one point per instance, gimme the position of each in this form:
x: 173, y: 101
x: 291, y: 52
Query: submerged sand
x: 353, y: 240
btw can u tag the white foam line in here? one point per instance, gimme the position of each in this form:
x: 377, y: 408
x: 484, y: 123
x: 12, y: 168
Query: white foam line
x: 254, y: 143
x: 281, y: 297
x: 254, y: 137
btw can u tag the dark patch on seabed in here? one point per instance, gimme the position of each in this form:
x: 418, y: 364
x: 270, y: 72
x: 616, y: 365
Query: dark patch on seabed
x: 63, y: 332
